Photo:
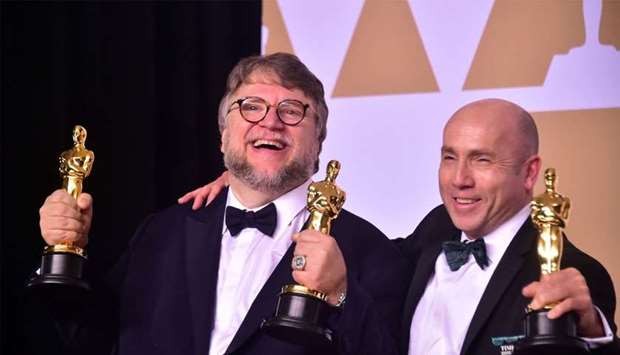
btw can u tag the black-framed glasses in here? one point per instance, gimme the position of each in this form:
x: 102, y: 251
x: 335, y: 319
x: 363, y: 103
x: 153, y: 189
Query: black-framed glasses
x: 254, y: 109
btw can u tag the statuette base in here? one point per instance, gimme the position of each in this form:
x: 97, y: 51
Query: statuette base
x: 60, y: 277
x: 300, y: 318
x: 550, y: 336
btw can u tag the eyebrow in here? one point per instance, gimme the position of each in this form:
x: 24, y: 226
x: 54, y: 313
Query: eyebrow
x: 470, y: 153
x: 445, y: 149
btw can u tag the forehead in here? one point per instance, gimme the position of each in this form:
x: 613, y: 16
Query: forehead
x: 481, y: 130
x: 268, y: 86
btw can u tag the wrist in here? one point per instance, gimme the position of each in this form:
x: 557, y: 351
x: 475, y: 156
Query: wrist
x: 338, y: 297
x: 591, y: 326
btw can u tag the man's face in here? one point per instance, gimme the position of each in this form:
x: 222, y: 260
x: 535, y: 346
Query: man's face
x: 484, y: 177
x: 269, y: 155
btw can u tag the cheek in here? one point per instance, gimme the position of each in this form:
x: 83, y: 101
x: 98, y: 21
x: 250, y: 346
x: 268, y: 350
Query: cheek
x: 493, y: 186
x: 305, y: 141
x: 443, y: 176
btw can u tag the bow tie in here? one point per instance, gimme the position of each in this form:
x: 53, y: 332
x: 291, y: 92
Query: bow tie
x: 264, y: 219
x: 457, y: 253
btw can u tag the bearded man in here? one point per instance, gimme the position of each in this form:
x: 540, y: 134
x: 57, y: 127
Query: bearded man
x: 201, y: 282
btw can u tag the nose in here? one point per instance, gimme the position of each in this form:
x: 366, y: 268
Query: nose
x: 462, y: 176
x: 271, y: 120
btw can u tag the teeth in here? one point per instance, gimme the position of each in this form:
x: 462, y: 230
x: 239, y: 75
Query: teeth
x: 465, y: 200
x: 260, y: 142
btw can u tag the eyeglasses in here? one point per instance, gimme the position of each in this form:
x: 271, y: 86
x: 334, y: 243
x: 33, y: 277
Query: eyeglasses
x: 254, y: 109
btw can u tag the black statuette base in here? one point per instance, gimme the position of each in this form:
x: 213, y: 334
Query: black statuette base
x: 550, y: 336
x: 300, y: 319
x: 60, y: 277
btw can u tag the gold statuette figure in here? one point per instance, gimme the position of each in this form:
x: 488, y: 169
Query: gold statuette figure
x: 325, y: 200
x: 549, y: 214
x: 76, y: 163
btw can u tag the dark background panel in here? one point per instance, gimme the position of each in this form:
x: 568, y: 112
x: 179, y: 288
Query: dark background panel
x: 145, y: 80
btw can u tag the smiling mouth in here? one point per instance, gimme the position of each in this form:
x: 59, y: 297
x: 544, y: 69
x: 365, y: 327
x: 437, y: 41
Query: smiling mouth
x: 268, y: 144
x: 465, y: 201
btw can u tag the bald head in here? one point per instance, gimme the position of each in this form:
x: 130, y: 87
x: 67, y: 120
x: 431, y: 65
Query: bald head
x: 506, y: 118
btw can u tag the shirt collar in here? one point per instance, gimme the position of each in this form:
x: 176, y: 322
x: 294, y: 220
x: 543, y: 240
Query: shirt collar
x: 288, y: 206
x: 498, y: 240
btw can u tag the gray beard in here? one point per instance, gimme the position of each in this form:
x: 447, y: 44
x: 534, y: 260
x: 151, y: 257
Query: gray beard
x: 289, y: 177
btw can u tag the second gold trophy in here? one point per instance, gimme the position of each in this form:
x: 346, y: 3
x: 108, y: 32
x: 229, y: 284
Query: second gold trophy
x: 301, y: 313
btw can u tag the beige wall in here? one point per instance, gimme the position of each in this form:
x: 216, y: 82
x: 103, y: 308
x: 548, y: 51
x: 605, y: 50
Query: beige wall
x: 584, y: 147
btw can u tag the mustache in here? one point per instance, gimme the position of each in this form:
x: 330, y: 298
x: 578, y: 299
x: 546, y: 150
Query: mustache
x: 272, y: 136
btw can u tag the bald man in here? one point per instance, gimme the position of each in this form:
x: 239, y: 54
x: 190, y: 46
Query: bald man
x: 489, y: 165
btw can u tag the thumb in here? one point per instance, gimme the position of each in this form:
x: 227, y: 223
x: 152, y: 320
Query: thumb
x: 85, y: 202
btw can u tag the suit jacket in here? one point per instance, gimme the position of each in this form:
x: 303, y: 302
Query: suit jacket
x: 502, y: 307
x: 160, y: 298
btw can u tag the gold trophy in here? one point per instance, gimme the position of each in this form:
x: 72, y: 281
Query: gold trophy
x: 62, y: 265
x: 301, y: 313
x: 543, y: 335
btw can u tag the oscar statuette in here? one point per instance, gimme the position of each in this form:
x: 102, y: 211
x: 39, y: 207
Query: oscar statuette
x: 544, y: 335
x: 301, y: 313
x: 62, y: 265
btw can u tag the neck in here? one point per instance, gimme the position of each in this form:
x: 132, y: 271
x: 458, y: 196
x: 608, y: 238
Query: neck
x: 249, y: 197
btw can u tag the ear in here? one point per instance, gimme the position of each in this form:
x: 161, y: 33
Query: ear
x: 532, y: 168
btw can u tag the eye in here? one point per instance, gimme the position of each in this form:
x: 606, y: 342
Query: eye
x: 292, y: 112
x: 447, y: 157
x: 482, y: 160
x: 250, y: 107
x: 290, y: 109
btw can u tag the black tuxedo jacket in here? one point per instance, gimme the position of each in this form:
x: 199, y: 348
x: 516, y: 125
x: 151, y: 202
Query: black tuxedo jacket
x: 502, y: 307
x: 160, y: 298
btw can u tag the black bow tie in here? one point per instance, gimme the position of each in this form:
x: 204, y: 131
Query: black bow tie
x: 264, y: 219
x: 457, y: 253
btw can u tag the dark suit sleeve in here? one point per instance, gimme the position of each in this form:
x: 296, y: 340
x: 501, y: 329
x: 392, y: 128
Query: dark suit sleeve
x: 601, y: 290
x: 376, y: 285
x: 435, y: 226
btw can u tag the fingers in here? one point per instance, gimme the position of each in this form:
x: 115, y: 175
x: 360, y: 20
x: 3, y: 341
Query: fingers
x: 85, y: 201
x: 198, y: 198
x: 530, y: 290
x: 567, y: 284
x: 214, y: 188
x: 206, y: 193
x: 579, y: 304
x: 325, y: 269
x: 309, y: 236
x: 62, y: 219
x: 567, y: 290
x: 187, y: 197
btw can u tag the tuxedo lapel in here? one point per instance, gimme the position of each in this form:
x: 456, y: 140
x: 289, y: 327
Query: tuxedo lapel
x: 203, y: 231
x: 508, y: 268
x: 264, y: 304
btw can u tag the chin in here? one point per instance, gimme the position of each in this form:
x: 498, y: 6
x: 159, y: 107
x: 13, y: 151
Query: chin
x: 464, y: 224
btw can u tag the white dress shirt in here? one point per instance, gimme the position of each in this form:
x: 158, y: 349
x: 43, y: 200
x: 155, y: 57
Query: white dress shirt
x: 442, y: 317
x: 248, y: 259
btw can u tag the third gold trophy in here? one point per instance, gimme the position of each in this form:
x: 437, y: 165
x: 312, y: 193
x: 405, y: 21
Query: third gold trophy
x: 543, y: 335
x: 301, y: 313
